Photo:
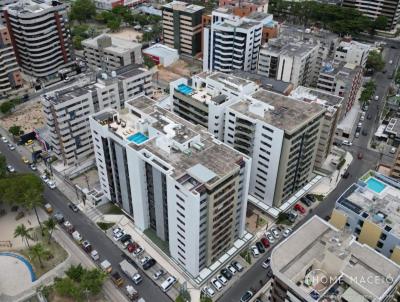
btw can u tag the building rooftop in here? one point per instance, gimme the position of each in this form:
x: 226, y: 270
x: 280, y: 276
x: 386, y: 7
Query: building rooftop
x: 375, y: 197
x: 33, y: 6
x: 312, y: 95
x: 235, y: 24
x: 160, y: 50
x: 321, y: 263
x: 177, y: 145
x: 393, y: 127
x: 183, y: 6
x: 265, y: 82
x: 113, y: 45
x: 339, y: 69
x: 281, y: 47
x: 278, y: 110
x: 233, y: 82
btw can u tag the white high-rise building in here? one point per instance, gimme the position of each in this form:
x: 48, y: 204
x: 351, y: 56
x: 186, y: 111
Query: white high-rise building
x: 174, y: 178
x: 231, y: 42
x: 352, y: 52
x: 40, y: 36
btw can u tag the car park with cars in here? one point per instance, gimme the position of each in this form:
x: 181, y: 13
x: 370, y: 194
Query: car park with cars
x: 255, y: 251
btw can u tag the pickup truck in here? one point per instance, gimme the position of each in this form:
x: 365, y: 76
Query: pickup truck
x: 106, y: 266
x: 117, y: 279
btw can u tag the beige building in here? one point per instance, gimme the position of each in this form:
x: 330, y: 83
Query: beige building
x: 370, y: 210
x: 10, y: 74
x: 182, y: 26
x: 110, y: 53
x: 321, y: 263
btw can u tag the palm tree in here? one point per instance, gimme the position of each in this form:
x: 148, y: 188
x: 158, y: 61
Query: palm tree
x: 24, y: 233
x: 50, y: 224
x: 32, y: 200
x: 38, y: 251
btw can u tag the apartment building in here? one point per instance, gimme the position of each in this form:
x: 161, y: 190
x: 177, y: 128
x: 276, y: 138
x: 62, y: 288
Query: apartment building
x: 288, y: 62
x: 174, y: 178
x: 319, y: 262
x: 395, y: 169
x: 369, y: 209
x: 231, y: 42
x: 341, y: 79
x: 110, y: 4
x: 43, y: 49
x: 281, y: 136
x: 388, y: 8
x: 10, y: 74
x: 352, y: 52
x: 206, y: 101
x: 333, y: 105
x: 110, y: 53
x: 67, y: 111
x: 182, y: 26
x: 245, y: 8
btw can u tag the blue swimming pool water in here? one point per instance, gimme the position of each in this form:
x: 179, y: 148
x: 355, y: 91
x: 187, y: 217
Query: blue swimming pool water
x: 138, y: 138
x: 26, y: 262
x: 375, y: 185
x: 185, y: 89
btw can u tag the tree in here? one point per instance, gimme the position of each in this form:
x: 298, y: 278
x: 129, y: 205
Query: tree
x: 38, y: 251
x: 114, y: 24
x: 75, y: 272
x: 67, y: 288
x: 205, y: 299
x: 16, y: 130
x: 50, y: 225
x: 82, y: 10
x: 380, y: 22
x: 148, y: 61
x: 375, y: 61
x: 3, y: 166
x: 77, y: 41
x: 6, y: 107
x: 24, y: 233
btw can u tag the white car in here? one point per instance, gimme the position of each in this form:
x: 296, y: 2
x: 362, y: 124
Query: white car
x: 144, y: 260
x: 44, y: 178
x: 138, y: 251
x: 287, y: 232
x: 231, y: 269
x: 10, y: 169
x: 266, y: 263
x: 255, y: 251
x: 275, y: 233
x: 119, y: 235
x: 33, y: 167
x: 347, y: 143
x: 376, y: 98
x: 157, y: 275
x: 217, y: 285
x: 208, y: 291
x: 270, y: 237
x: 4, y: 139
x: 11, y: 147
x: 117, y: 230
x: 51, y: 184
x: 362, y: 118
x: 222, y: 279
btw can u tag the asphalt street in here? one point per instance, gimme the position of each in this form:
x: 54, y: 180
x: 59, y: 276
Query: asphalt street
x: 106, y: 248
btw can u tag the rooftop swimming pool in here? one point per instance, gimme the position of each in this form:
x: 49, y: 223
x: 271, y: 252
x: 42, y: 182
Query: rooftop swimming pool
x: 375, y: 185
x: 137, y: 138
x: 185, y: 89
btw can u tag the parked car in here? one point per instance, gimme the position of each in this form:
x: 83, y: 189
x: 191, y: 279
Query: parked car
x: 311, y: 197
x: 266, y: 263
x: 157, y: 275
x: 246, y: 296
x: 10, y: 169
x: 393, y: 150
x: 11, y: 147
x: 73, y: 207
x: 275, y: 232
x: 217, y: 285
x: 346, y: 143
x: 119, y: 235
x: 4, y: 139
x: 255, y: 251
x: 144, y: 260
x: 286, y: 232
x: 346, y: 175
x: 306, y: 201
x: 265, y: 242
x: 33, y: 167
x: 369, y: 116
x: 226, y: 273
x: 25, y: 160
x: 69, y: 227
x: 95, y: 255
x: 299, y: 208
x: 44, y: 178
x: 87, y: 247
x: 138, y: 251
x: 360, y: 155
x: 132, y: 246
x: 270, y: 237
x: 59, y: 217
x: 376, y: 98
x: 150, y: 263
x: 125, y: 238
x: 51, y: 184
x: 231, y: 269
x: 260, y: 247
x: 357, y: 135
x: 292, y: 216
x: 208, y: 291
x: 222, y: 279
x: 237, y: 266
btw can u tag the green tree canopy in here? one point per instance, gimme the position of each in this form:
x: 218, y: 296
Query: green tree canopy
x: 38, y: 251
x: 82, y: 10
x: 3, y: 166
x: 6, y: 107
x: 23, y: 232
x: 380, y: 22
x: 375, y: 61
x: 16, y: 130
x: 114, y: 24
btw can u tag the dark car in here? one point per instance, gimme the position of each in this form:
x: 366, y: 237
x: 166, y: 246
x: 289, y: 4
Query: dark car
x: 125, y: 238
x: 364, y: 132
x: 246, y: 297
x: 226, y: 273
x: 311, y: 197
x: 306, y: 201
x: 59, y: 217
x: 369, y: 116
x: 149, y: 264
x: 265, y: 242
x: 73, y: 207
x: 346, y: 174
x: 260, y: 247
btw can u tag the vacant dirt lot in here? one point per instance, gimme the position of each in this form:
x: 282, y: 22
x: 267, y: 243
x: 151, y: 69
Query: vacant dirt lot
x: 28, y: 116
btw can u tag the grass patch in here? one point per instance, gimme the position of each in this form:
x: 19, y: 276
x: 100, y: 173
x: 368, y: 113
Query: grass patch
x: 246, y: 256
x: 114, y: 210
x: 105, y: 225
x: 163, y: 245
x: 261, y: 221
x: 283, y: 218
x: 58, y: 254
x: 319, y: 197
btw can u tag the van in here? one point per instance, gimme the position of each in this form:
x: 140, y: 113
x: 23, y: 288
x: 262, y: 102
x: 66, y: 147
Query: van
x: 167, y: 284
x: 77, y: 237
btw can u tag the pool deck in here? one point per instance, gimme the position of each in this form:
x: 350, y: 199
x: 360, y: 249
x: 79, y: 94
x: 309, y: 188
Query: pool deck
x: 12, y: 270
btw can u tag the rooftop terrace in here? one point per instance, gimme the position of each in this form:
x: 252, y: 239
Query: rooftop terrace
x: 278, y: 110
x: 311, y: 95
x: 322, y: 263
